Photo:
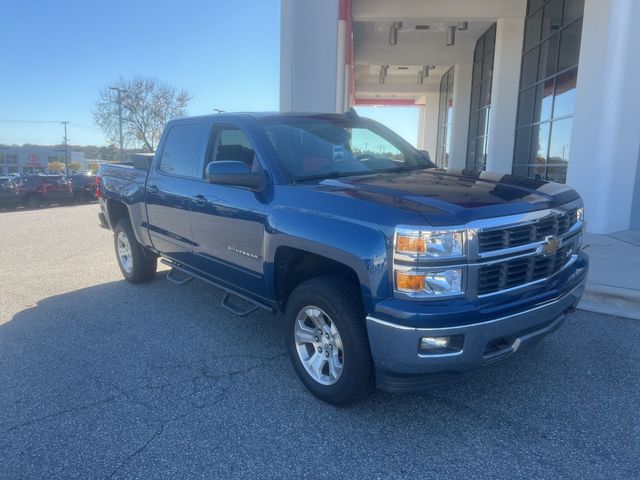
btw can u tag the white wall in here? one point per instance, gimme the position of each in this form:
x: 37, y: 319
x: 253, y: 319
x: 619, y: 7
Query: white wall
x: 504, y: 94
x: 605, y: 135
x: 460, y: 122
x: 428, y: 124
x: 308, y: 55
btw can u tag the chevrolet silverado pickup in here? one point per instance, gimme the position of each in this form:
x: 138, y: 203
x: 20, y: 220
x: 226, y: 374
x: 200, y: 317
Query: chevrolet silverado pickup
x: 388, y: 271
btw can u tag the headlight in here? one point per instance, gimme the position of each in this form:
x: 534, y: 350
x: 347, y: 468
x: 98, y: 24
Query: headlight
x: 425, y: 244
x: 430, y: 282
x: 580, y: 214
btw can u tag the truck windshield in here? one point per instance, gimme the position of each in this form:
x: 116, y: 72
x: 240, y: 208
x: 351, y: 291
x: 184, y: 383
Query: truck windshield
x: 328, y: 147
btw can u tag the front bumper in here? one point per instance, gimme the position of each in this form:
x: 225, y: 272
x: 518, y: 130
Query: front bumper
x: 401, y: 367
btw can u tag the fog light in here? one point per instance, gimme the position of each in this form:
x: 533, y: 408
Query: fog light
x: 430, y: 343
x: 441, y: 345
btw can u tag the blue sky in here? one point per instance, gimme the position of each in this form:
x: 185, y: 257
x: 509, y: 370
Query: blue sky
x: 57, y: 55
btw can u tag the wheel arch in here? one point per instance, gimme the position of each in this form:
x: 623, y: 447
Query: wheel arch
x: 293, y: 266
x: 116, y: 211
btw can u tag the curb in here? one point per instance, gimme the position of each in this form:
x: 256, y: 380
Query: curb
x: 621, y: 302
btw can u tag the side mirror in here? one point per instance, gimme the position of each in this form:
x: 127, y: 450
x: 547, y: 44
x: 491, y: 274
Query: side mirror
x: 425, y: 154
x: 234, y: 173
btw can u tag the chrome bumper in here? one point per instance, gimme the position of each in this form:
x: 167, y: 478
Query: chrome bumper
x: 400, y: 365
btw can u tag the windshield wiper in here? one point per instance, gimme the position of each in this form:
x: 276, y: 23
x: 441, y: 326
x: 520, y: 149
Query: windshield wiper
x: 337, y: 174
x: 328, y: 175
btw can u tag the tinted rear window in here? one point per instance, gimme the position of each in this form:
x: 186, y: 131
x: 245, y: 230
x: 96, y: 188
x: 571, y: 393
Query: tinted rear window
x: 181, y: 149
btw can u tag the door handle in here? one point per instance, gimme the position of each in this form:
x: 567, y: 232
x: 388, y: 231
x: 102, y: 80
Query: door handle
x: 153, y: 189
x: 199, y: 200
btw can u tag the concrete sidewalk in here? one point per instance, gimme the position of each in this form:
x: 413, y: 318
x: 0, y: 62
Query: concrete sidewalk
x: 613, y: 285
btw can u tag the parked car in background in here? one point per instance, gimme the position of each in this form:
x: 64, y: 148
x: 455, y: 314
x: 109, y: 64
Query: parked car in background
x: 38, y: 190
x: 9, y: 195
x: 83, y: 186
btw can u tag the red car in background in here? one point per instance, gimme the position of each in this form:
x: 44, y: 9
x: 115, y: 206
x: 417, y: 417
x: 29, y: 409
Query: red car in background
x: 38, y: 190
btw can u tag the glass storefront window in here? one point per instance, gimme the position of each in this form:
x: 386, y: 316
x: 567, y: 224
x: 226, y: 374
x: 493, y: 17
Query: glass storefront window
x: 565, y: 93
x: 444, y: 119
x: 548, y: 77
x: 480, y: 100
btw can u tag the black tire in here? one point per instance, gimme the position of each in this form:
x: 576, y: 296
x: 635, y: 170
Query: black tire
x: 143, y: 264
x: 340, y: 301
x: 33, y: 201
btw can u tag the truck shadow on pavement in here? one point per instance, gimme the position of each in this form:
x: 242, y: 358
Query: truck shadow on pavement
x: 118, y: 379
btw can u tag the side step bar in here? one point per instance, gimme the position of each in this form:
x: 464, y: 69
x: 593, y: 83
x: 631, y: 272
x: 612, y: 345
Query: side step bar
x: 180, y: 275
x: 235, y: 308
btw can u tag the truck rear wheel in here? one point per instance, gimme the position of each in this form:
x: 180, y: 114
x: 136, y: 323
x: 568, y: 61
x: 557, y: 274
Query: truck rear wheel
x: 327, y: 340
x: 135, y: 264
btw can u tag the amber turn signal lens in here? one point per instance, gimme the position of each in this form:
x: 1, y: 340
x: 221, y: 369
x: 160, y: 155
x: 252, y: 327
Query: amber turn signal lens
x: 410, y: 244
x: 405, y: 281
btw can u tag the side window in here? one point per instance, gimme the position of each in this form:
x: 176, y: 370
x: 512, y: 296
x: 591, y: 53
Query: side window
x: 230, y: 143
x: 180, y: 152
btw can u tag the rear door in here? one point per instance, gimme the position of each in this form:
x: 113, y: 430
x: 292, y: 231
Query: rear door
x: 169, y: 189
x: 60, y: 188
x: 229, y: 222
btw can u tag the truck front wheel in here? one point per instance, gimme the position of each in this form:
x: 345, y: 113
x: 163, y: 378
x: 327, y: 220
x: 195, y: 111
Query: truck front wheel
x: 327, y: 340
x: 135, y: 264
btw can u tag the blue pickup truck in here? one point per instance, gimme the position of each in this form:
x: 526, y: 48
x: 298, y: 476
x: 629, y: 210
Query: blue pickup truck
x: 389, y: 272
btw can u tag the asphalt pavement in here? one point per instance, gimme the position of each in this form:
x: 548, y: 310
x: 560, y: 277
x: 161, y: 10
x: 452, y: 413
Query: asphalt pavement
x: 103, y: 379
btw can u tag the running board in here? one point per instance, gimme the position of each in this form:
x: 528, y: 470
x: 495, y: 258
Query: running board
x: 236, y: 309
x: 181, y: 275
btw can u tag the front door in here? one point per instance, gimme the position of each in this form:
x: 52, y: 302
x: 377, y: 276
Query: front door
x: 169, y: 190
x: 229, y: 222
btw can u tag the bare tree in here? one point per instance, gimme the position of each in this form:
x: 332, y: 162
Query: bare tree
x: 147, y: 105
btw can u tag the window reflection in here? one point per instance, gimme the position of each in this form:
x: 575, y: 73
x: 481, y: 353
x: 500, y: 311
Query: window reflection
x: 569, y: 46
x: 523, y: 136
x: 480, y: 100
x: 544, y: 101
x: 529, y: 67
x: 551, y: 17
x: 547, y: 88
x: 560, y: 140
x: 532, y: 29
x: 444, y: 118
x: 540, y: 147
x: 565, y: 93
x: 548, y: 57
x: 572, y: 9
x: 525, y: 111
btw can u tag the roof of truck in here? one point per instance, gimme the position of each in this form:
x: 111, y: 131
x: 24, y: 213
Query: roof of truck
x: 263, y: 115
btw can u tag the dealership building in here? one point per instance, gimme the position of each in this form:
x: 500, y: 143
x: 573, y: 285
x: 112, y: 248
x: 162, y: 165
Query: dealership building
x: 30, y: 159
x: 540, y: 88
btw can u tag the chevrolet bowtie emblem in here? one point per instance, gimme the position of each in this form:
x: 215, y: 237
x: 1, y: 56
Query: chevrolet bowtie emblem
x: 550, y: 245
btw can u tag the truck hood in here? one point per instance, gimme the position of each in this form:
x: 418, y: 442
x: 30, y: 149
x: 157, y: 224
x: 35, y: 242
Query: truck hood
x: 439, y: 195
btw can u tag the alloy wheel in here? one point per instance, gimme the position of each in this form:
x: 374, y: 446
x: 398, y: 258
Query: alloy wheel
x: 124, y: 252
x: 319, y: 345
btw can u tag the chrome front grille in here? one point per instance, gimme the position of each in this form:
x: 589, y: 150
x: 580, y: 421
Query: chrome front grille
x: 521, y: 251
x: 513, y: 273
x: 517, y: 235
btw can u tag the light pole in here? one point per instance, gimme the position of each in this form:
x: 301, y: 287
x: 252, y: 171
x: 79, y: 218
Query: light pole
x: 66, y: 150
x: 119, y: 90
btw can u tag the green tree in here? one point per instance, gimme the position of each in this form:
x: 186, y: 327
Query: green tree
x: 147, y: 105
x: 56, y: 167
